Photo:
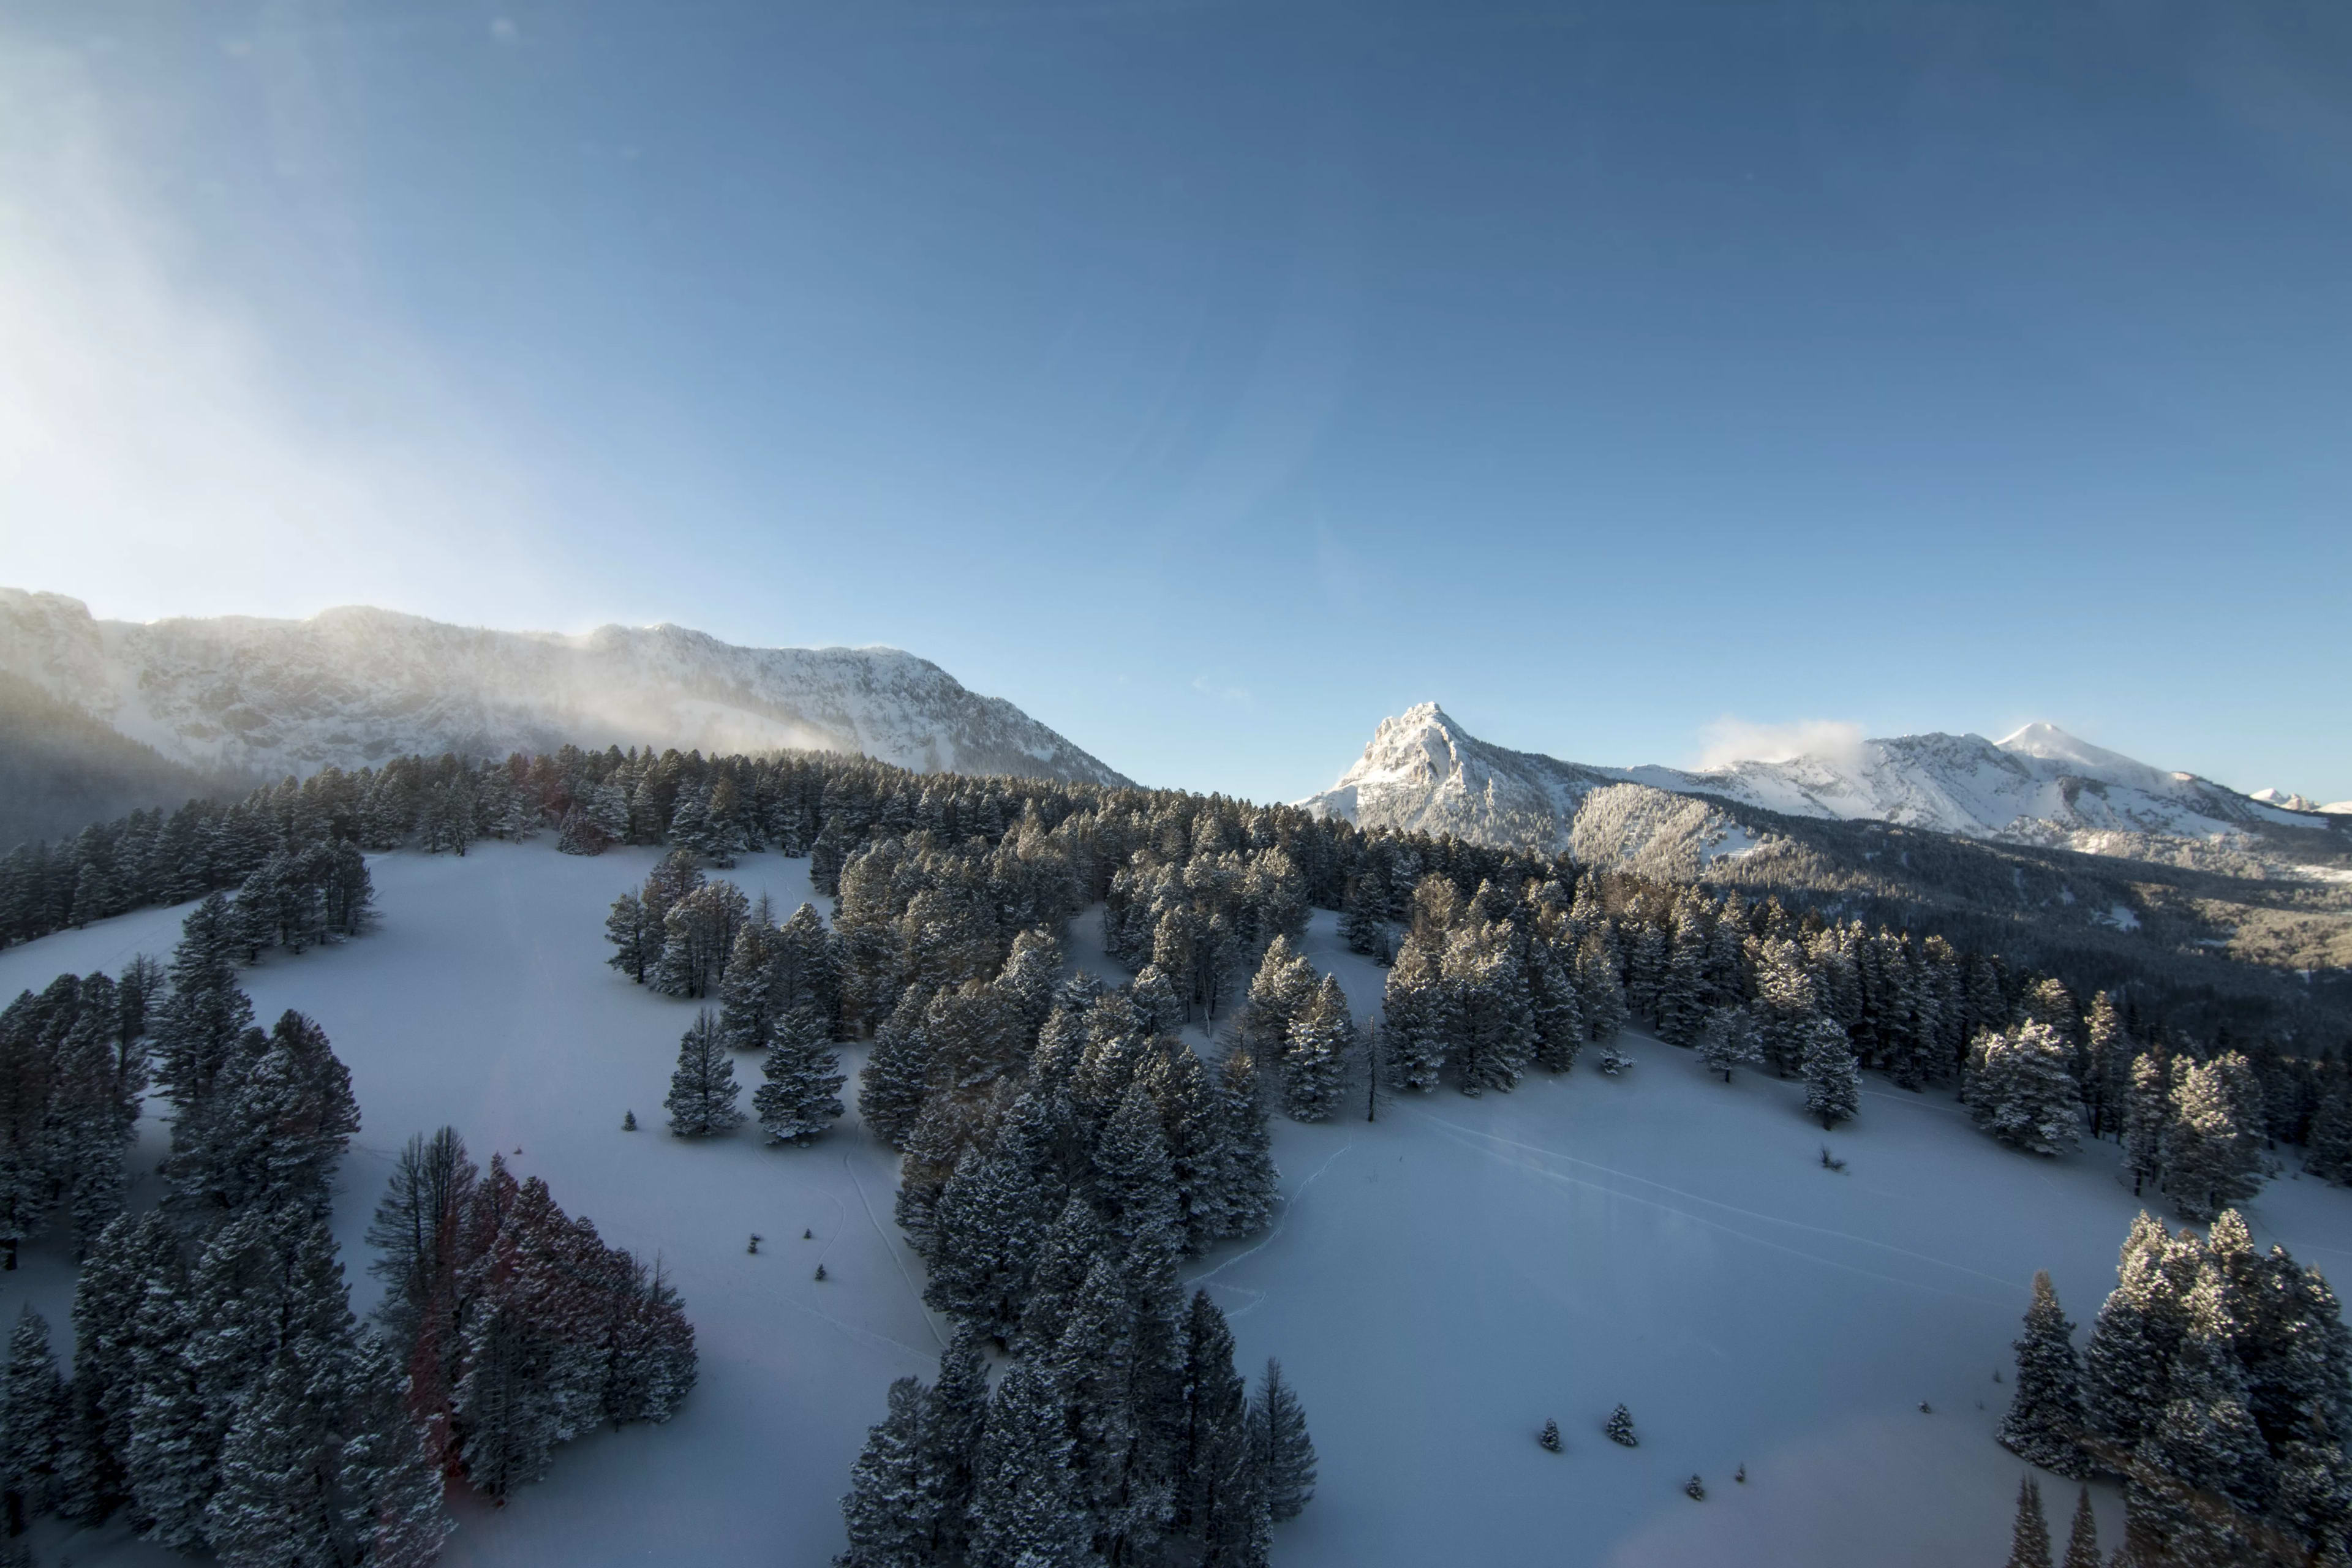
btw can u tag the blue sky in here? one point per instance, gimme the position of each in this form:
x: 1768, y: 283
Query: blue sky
x: 1213, y: 380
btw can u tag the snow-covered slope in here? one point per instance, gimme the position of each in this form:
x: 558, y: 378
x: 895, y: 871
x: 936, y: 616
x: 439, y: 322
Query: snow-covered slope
x: 2039, y: 786
x: 1439, y: 1283
x: 356, y: 686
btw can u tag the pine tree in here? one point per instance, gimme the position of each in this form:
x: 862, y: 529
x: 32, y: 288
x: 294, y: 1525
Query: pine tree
x: 1315, y: 1055
x: 897, y: 1072
x: 1285, y: 1455
x: 272, y: 1128
x: 93, y: 1118
x: 1726, y: 1040
x: 888, y: 1510
x: 1025, y: 1510
x: 2044, y: 1424
x: 2327, y: 1153
x: 748, y: 1008
x: 2211, y: 1159
x: 1249, y: 1185
x: 2029, y: 1545
x: 1417, y: 1017
x: 2125, y: 1368
x: 1681, y: 1007
x: 955, y: 1418
x: 1618, y: 1428
x: 1558, y: 1015
x: 276, y: 1501
x: 1833, y: 1084
x: 32, y: 1423
x: 2082, y: 1541
x: 801, y: 1095
x: 702, y: 1090
x: 389, y: 1492
x: 2022, y: 1091
x: 2147, y: 1107
x: 105, y: 1388
x: 1495, y: 1036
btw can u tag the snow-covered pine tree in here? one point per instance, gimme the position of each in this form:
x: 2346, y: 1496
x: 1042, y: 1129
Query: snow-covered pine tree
x: 1281, y: 991
x: 1495, y: 1036
x: 2082, y: 1541
x: 702, y: 1090
x: 2125, y: 1367
x: 389, y: 1491
x: 2211, y: 1160
x: 889, y: 1517
x: 2044, y: 1423
x: 1832, y: 1083
x: 203, y: 1013
x: 2202, y: 1446
x: 1216, y: 1422
x: 1025, y: 1508
x: 2021, y: 1088
x: 1726, y: 1040
x: 747, y: 1008
x: 697, y: 934
x: 1286, y: 1454
x: 1681, y: 989
x: 1558, y: 1015
x: 1598, y: 989
x: 897, y: 1072
x: 1417, y: 1016
x: 2029, y: 1540
x: 1247, y: 1180
x: 1157, y: 1004
x: 1315, y: 1055
x: 1618, y: 1428
x: 2106, y: 1064
x: 1787, y: 1005
x: 990, y: 1218
x: 799, y: 1096
x: 271, y: 1130
x: 1135, y: 1188
x: 1645, y: 969
x: 955, y: 1418
x: 2148, y: 1108
x: 33, y: 1422
x: 1093, y: 1366
x: 94, y: 1114
x: 2327, y: 1151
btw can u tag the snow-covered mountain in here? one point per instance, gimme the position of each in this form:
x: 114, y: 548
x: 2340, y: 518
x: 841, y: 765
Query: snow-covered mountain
x: 2039, y: 786
x: 352, y: 687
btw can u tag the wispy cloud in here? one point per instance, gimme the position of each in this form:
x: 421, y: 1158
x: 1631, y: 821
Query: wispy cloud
x: 162, y: 451
x: 1239, y: 696
x: 1734, y: 740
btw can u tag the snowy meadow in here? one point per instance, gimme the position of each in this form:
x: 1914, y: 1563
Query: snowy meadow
x: 1440, y: 1282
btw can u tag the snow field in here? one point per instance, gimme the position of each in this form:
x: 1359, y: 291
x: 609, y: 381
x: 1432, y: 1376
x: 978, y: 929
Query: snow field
x: 1440, y: 1283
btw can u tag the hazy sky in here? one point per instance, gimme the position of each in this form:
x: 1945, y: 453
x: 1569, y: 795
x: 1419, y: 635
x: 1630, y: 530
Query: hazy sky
x: 1213, y: 380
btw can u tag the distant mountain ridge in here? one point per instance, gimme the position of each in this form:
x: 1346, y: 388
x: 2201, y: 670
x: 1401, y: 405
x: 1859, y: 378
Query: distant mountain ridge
x: 2041, y: 786
x: 240, y: 696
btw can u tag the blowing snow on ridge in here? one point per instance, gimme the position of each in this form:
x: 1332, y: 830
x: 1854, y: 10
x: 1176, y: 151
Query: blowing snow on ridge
x: 354, y: 686
x: 2038, y: 785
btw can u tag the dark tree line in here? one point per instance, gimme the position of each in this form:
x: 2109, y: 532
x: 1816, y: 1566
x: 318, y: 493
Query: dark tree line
x: 73, y: 1068
x: 2216, y: 1385
x: 291, y: 852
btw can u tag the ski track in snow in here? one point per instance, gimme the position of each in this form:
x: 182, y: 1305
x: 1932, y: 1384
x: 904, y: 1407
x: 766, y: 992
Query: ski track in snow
x: 1471, y: 1138
x: 1280, y: 1224
x: 889, y: 1245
